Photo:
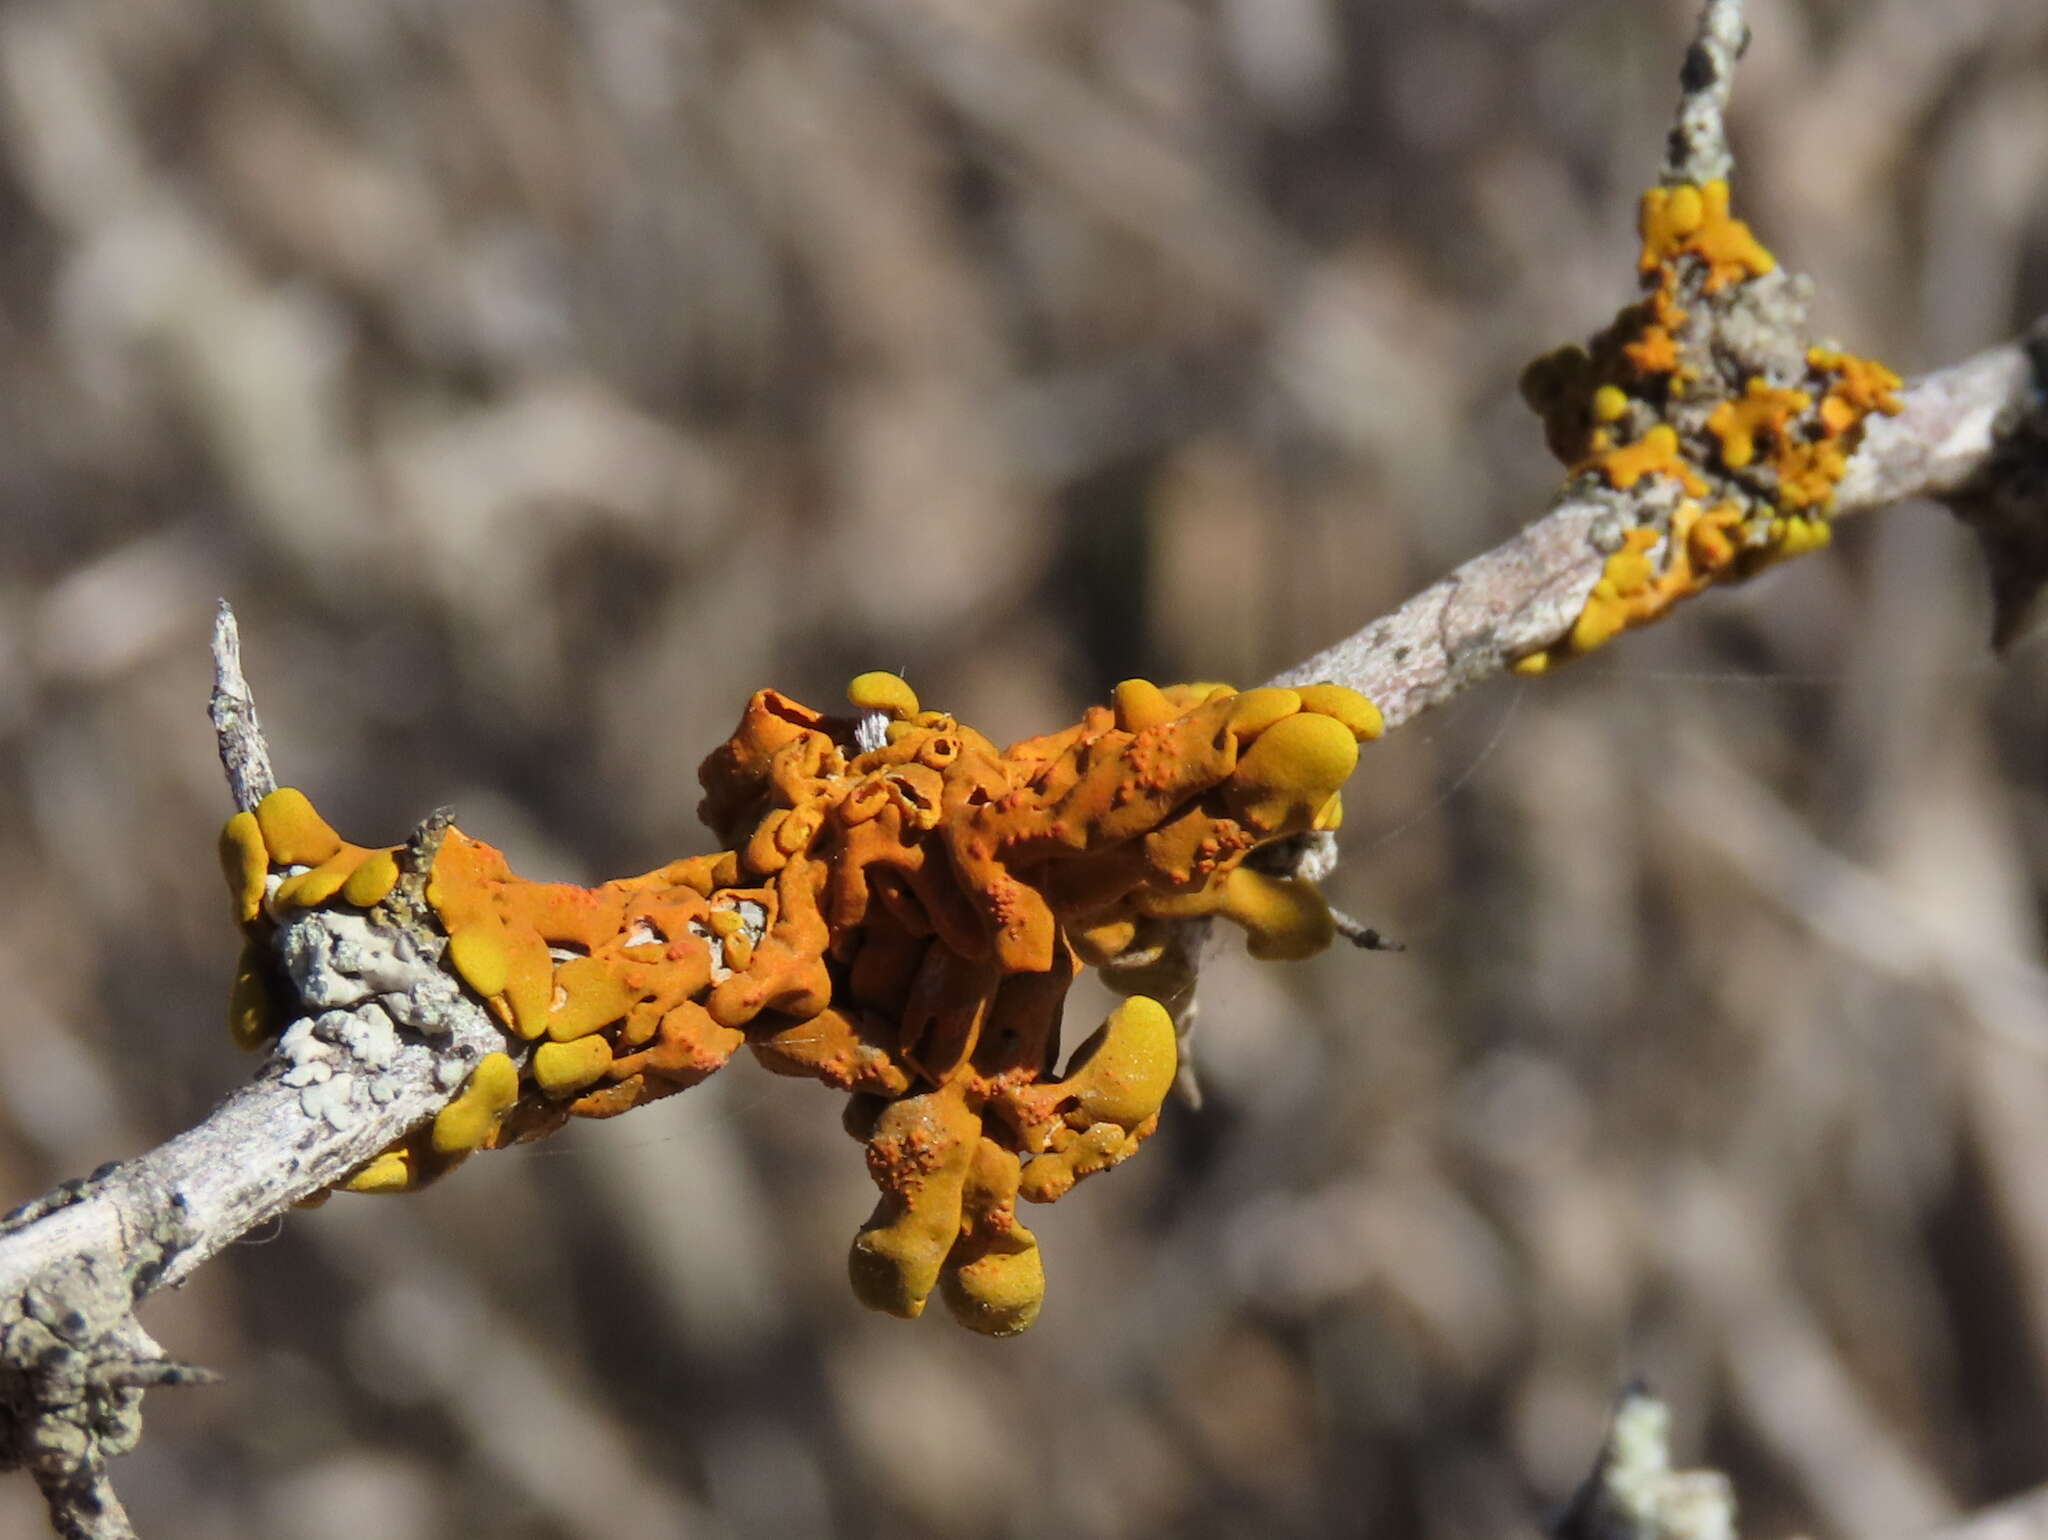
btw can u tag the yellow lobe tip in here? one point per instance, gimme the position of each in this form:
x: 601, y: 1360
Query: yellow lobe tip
x: 466, y: 1122
x: 293, y: 833
x: 998, y: 1295
x: 1127, y: 1075
x: 884, y: 692
x: 478, y: 954
x: 390, y: 1172
x: 883, y: 1280
x: 1139, y: 704
x: 245, y: 862
x: 1252, y: 712
x: 1291, y: 769
x: 372, y: 881
x: 1346, y: 706
x: 1283, y: 920
x: 562, y: 1069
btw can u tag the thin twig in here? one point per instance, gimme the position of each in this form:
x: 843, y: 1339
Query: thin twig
x: 243, y: 753
x: 1697, y: 150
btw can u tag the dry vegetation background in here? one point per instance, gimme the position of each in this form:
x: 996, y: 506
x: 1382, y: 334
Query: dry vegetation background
x: 541, y: 376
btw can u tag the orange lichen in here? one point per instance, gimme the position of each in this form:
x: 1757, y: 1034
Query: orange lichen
x: 1634, y: 589
x: 1649, y: 340
x: 1766, y: 460
x: 1693, y: 221
x: 245, y: 862
x: 470, y: 1120
x: 1656, y: 453
x: 899, y: 913
x: 1764, y: 411
x: 1857, y: 387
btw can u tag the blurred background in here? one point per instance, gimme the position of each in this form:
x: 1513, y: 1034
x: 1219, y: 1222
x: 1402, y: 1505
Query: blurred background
x: 540, y: 377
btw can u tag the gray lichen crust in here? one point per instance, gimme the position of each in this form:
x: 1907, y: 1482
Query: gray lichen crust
x: 363, y: 985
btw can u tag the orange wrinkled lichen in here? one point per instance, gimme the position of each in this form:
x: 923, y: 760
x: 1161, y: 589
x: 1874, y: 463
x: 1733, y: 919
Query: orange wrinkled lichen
x: 1755, y: 459
x: 899, y: 913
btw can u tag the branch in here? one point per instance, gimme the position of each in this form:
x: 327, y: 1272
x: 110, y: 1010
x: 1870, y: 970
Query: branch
x: 1634, y: 1494
x: 391, y: 1038
x: 1523, y: 595
x: 243, y: 753
x: 390, y: 1035
x: 1698, y: 148
x: 2018, y: 1518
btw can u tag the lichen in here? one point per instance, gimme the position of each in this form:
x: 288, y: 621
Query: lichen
x: 898, y: 913
x: 1703, y: 384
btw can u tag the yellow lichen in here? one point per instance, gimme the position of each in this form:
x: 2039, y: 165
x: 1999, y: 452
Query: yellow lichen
x: 1656, y: 453
x: 392, y: 1171
x: 1344, y: 705
x: 994, y: 1280
x: 469, y: 1120
x: 562, y: 1069
x: 1767, y: 460
x: 1694, y: 221
x: 371, y: 881
x: 899, y: 919
x: 1858, y: 386
x: 293, y: 834
x: 252, y: 1014
x: 478, y: 953
x: 1141, y: 704
x: 1646, y: 337
x: 1763, y: 412
x: 882, y: 692
x: 245, y: 861
x: 1634, y: 588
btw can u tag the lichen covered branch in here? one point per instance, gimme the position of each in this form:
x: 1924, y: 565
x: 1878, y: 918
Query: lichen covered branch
x: 899, y: 904
x: 1525, y: 594
x: 898, y: 912
x: 387, y: 1037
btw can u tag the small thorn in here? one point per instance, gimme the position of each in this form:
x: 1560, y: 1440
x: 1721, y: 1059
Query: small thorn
x: 1364, y: 937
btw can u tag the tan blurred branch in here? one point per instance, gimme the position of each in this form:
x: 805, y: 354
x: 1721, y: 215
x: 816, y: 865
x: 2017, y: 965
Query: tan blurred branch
x: 1633, y: 1493
x: 2021, y: 1518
